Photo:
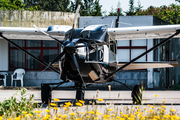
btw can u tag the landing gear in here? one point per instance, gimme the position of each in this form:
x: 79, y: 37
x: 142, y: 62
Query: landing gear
x: 79, y: 91
x: 79, y: 94
x: 137, y: 94
x: 45, y: 93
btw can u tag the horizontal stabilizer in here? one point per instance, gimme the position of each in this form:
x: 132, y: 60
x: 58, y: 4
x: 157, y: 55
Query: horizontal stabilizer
x: 146, y: 65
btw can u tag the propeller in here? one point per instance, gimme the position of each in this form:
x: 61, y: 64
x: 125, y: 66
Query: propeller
x: 75, y: 20
x: 57, y: 58
x: 77, y: 67
x: 69, y: 47
x: 59, y: 41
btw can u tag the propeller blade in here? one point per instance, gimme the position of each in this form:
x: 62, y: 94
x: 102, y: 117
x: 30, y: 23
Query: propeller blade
x: 57, y: 58
x: 77, y: 67
x: 76, y: 15
x: 75, y: 20
x: 93, y: 44
x: 61, y: 42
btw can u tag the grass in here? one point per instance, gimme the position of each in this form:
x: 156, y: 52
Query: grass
x: 23, y: 107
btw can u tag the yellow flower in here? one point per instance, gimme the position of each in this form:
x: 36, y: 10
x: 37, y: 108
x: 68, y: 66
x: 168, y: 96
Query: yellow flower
x: 56, y: 108
x: 152, y: 107
x: 1, y: 118
x: 106, y: 116
x: 38, y: 115
x: 145, y: 108
x: 47, y: 110
x: 30, y: 115
x: 68, y: 103
x: 10, y: 119
x: 112, y: 115
x: 132, y: 116
x: 56, y: 99
x: 156, y: 95
x: 81, y: 112
x: 17, y: 118
x: 132, y: 109
x: 139, y: 110
x: 173, y: 110
x: 65, y: 116
x: 110, y: 109
x: 78, y: 104
x: 163, y: 106
x: 88, y: 116
x: 81, y: 101
x: 137, y: 107
x: 164, y: 101
x: 36, y: 111
x: 57, y: 118
x: 151, y: 110
x: 121, y: 113
x: 98, y: 113
x: 24, y: 112
x: 73, y: 114
x: 91, y: 112
x: 100, y: 99
x: 53, y: 104
x: 136, y: 113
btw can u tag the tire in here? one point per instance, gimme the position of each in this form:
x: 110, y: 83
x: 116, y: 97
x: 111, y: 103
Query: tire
x: 137, y: 94
x: 45, y: 94
x: 79, y: 94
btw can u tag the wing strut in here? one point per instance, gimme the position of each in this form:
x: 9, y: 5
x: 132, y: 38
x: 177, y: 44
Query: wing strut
x: 42, y: 62
x: 166, y: 40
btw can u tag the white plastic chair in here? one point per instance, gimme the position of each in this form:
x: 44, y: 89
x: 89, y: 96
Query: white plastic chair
x: 19, y: 76
x: 4, y: 78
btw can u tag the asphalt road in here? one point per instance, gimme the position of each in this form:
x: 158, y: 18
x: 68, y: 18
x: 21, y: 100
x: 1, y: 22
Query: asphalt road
x: 115, y: 99
x: 118, y: 97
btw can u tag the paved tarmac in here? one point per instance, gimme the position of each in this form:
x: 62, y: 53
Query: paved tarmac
x: 115, y: 99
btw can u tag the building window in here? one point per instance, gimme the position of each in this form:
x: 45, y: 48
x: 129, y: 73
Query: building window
x: 129, y: 49
x: 44, y: 50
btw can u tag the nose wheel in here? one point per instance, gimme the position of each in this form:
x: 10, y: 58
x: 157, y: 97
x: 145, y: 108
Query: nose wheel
x: 79, y: 91
x: 45, y: 93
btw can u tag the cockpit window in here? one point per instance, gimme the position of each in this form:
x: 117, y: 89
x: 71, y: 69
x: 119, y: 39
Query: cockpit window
x: 76, y: 33
x: 98, y: 34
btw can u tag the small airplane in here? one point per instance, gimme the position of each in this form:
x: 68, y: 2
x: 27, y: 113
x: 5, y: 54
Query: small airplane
x: 89, y: 54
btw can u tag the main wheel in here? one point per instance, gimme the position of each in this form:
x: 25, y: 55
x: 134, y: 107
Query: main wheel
x: 80, y: 94
x: 45, y: 94
x: 137, y: 94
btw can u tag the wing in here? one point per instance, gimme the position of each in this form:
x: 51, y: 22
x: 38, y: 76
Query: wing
x: 145, y: 32
x: 146, y: 65
x: 24, y: 33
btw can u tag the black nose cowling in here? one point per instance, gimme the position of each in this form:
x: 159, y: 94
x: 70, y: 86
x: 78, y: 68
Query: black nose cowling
x: 69, y: 47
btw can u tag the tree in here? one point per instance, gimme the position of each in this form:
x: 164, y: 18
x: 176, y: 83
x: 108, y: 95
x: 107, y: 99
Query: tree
x: 88, y: 7
x: 131, y: 10
x: 169, y: 13
x: 48, y: 5
x: 113, y: 11
x: 96, y: 11
x: 139, y: 8
x: 11, y: 5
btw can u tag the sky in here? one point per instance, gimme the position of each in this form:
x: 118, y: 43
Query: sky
x: 107, y: 4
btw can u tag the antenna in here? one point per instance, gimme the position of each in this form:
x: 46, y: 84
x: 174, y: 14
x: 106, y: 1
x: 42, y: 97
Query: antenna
x: 117, y: 20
